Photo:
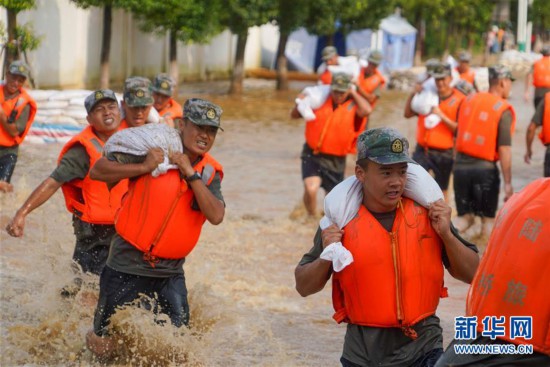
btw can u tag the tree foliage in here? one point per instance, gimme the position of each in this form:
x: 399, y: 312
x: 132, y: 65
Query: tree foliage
x: 17, y: 5
x: 540, y: 14
x: 85, y: 4
x: 191, y: 20
x: 239, y: 15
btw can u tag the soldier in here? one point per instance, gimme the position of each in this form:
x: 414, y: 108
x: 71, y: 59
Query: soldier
x: 159, y: 222
x: 16, y: 117
x: 486, y: 122
x: 168, y: 108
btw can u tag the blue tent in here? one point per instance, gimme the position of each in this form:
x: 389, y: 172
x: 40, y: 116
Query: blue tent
x: 398, y: 42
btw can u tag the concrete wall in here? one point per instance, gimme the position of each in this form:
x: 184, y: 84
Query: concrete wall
x: 68, y: 56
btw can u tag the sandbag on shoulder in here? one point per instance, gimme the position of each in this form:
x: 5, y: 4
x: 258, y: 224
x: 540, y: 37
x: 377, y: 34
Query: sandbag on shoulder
x: 342, y: 204
x: 314, y: 98
x: 139, y: 140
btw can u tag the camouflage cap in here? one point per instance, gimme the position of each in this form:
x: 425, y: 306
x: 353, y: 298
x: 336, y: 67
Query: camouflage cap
x: 464, y: 56
x: 431, y: 64
x: 441, y: 70
x: 202, y: 112
x: 18, y: 67
x: 375, y: 57
x: 329, y: 52
x: 97, y: 96
x: 163, y: 84
x: 383, y: 145
x: 500, y: 72
x: 137, y: 92
x: 464, y: 87
x: 341, y: 82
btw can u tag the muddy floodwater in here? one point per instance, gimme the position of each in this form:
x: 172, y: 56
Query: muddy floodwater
x: 244, y: 308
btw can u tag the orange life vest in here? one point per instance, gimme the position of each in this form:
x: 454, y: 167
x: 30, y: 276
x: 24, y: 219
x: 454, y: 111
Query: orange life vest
x: 396, y: 278
x: 16, y: 104
x: 545, y: 132
x: 512, y: 278
x: 441, y: 136
x: 541, y: 72
x: 469, y: 76
x: 478, y: 125
x: 370, y: 83
x: 89, y: 199
x: 172, y: 109
x: 333, y: 130
x: 156, y: 215
x: 326, y: 77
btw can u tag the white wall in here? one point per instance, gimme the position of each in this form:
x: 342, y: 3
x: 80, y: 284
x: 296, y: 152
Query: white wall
x: 68, y: 56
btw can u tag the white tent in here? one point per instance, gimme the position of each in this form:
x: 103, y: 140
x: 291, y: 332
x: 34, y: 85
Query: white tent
x: 398, y: 41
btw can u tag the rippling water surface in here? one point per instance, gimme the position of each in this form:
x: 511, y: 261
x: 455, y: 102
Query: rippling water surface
x: 245, y: 310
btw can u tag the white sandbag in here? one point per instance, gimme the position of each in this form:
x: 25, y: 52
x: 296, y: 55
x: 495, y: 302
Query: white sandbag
x: 429, y: 85
x: 314, y: 98
x: 351, y: 70
x: 423, y: 102
x: 451, y: 61
x: 41, y: 95
x: 481, y: 79
x: 61, y: 120
x: 139, y: 140
x: 78, y: 101
x: 317, y: 94
x: 455, y: 77
x: 154, y: 117
x: 421, y: 186
x: 51, y: 112
x: 76, y: 113
x: 304, y: 108
x: 52, y: 104
x: 431, y: 121
x: 66, y: 95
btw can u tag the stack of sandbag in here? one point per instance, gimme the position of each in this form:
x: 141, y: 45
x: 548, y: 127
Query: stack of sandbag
x: 60, y: 115
x: 518, y: 62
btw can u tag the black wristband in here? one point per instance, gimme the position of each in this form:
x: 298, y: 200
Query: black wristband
x: 195, y: 176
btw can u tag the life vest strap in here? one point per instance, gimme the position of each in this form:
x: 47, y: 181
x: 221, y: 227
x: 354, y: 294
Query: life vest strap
x: 410, y: 332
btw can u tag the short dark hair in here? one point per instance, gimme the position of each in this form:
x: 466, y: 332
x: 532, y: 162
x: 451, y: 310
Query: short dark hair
x: 363, y: 163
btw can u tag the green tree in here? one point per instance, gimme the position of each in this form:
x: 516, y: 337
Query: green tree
x: 107, y: 6
x: 472, y: 18
x: 13, y: 7
x: 238, y: 16
x: 191, y: 21
x: 361, y: 14
x: 540, y: 15
x: 422, y: 13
